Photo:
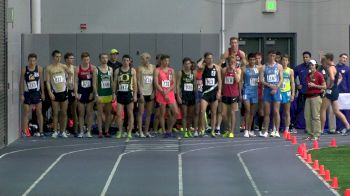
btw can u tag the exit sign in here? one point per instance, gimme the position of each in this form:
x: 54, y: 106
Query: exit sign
x: 270, y: 6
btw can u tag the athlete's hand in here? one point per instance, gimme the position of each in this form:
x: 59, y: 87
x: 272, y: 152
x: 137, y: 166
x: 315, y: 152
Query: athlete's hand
x: 218, y: 96
x: 42, y: 97
x: 299, y: 87
x: 141, y: 99
x: 274, y: 87
x: 77, y: 97
x: 52, y: 96
x: 114, y: 97
x: 311, y: 84
x: 91, y: 96
x: 152, y: 96
x: 179, y: 100
x: 22, y: 98
x: 292, y: 98
x: 135, y: 98
x: 273, y: 91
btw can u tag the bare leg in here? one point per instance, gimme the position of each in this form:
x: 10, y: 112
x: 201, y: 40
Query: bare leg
x: 184, y: 117
x: 286, y: 108
x: 26, y: 112
x: 63, y: 115
x: 141, y: 109
x: 339, y: 114
x: 276, y: 115
x: 107, y: 111
x: 324, y: 106
x: 203, y: 109
x: 130, y: 111
x: 267, y: 115
x: 119, y: 117
x: 100, y: 107
x: 213, y: 110
x: 55, y: 112
x: 89, y: 116
x: 149, y: 107
x: 39, y: 116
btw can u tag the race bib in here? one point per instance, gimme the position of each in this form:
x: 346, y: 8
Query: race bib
x: 86, y: 83
x: 229, y: 80
x: 124, y: 87
x: 58, y: 79
x: 213, y: 73
x: 253, y: 82
x: 188, y: 87
x: 272, y: 78
x: 166, y: 83
x: 209, y: 81
x: 105, y: 84
x: 200, y: 85
x: 32, y: 85
x: 147, y: 79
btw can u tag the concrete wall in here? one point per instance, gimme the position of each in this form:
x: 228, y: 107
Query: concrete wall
x: 21, y: 25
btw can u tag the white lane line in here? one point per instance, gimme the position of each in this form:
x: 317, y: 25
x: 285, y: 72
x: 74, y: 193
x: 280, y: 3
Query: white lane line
x: 48, y: 147
x: 181, y: 191
x: 319, y: 177
x: 42, y: 176
x: 232, y: 141
x: 255, y: 187
x: 114, y: 170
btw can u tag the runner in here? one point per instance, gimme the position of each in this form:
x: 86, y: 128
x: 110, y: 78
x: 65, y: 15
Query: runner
x: 156, y: 105
x: 84, y: 93
x: 56, y: 81
x: 32, y: 93
x: 211, y: 90
x: 165, y: 82
x: 250, y: 78
x: 332, y: 94
x: 72, y: 101
x: 199, y: 94
x: 272, y: 77
x: 230, y: 93
x: 103, y: 79
x: 113, y: 60
x: 146, y: 93
x: 186, y: 95
x: 287, y: 90
x: 125, y: 82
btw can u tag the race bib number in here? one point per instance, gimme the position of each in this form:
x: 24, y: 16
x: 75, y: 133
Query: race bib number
x: 229, y: 80
x: 283, y: 85
x: 209, y: 81
x: 253, y: 82
x: 32, y: 85
x: 123, y: 87
x: 105, y: 84
x: 272, y: 78
x: 86, y: 83
x: 200, y: 85
x: 188, y: 87
x: 58, y: 79
x: 148, y: 79
x: 213, y: 73
x: 166, y: 83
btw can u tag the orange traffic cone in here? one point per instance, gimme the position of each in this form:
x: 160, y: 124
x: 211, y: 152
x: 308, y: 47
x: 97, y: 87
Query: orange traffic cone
x: 333, y: 143
x: 347, y: 192
x: 316, y: 165
x: 305, y: 155
x: 294, y: 140
x: 335, y: 183
x: 321, y: 171
x: 289, y: 137
x: 304, y: 146
x: 285, y: 133
x: 327, y: 176
x: 300, y: 150
x: 309, y: 159
x: 316, y: 147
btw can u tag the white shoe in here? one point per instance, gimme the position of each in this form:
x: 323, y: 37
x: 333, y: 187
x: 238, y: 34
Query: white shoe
x: 137, y: 134
x: 261, y: 134
x: 81, y: 135
x: 246, y: 134
x: 37, y: 134
x: 265, y: 135
x: 277, y: 134
x: 125, y: 134
x: 142, y: 135
x: 88, y: 134
x: 273, y: 134
x: 55, y: 134
x: 252, y: 134
x: 195, y: 134
x: 64, y: 135
x: 67, y: 132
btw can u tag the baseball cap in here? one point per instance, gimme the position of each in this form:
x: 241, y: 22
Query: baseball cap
x: 114, y: 51
x: 313, y: 62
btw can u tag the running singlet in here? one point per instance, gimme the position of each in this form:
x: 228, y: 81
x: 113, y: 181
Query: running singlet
x: 230, y: 87
x: 58, y: 79
x: 104, y: 82
x: 165, y: 80
x: 286, y: 87
x: 85, y: 80
x: 271, y: 74
x: 147, y: 80
x: 210, y: 79
x: 32, y: 80
x: 125, y: 81
x: 187, y: 81
x: 251, y: 79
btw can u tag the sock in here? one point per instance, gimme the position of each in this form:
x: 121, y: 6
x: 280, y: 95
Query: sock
x: 287, y: 128
x: 218, y: 127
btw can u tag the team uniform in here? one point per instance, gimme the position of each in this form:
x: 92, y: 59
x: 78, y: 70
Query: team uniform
x: 333, y: 93
x: 146, y: 83
x: 104, y: 87
x: 250, y: 85
x: 125, y: 87
x: 32, y: 94
x: 85, y: 84
x: 230, y: 93
x: 210, y: 84
x: 286, y: 86
x: 271, y: 76
x: 58, y: 83
x: 188, y: 95
x: 166, y: 81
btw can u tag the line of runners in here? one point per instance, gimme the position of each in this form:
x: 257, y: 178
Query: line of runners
x: 198, y: 86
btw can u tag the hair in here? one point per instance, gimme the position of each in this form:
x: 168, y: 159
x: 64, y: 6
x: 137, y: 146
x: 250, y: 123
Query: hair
x: 251, y: 55
x: 32, y: 55
x: 164, y: 56
x: 307, y: 52
x: 84, y: 54
x: 102, y: 54
x: 55, y: 52
x: 285, y: 56
x: 230, y: 58
x: 323, y: 60
x: 258, y: 54
x: 343, y: 54
x: 184, y: 60
x: 126, y: 56
x: 158, y: 56
x: 278, y: 53
x: 272, y: 52
x: 67, y: 55
x: 329, y: 56
x: 146, y: 55
x: 233, y: 38
x: 207, y: 54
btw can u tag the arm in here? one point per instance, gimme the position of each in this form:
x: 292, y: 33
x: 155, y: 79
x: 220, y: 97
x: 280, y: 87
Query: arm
x: 244, y: 59
x: 200, y: 63
x: 242, y: 80
x: 115, y: 82
x: 195, y: 87
x: 172, y: 87
x: 48, y: 83
x: 138, y: 76
x: 280, y: 68
x: 155, y: 81
x: 42, y: 87
x: 332, y: 71
x: 76, y: 81
x: 261, y: 76
x: 21, y: 83
x: 219, y: 82
x: 178, y: 87
x: 134, y: 77
x: 94, y: 83
x: 292, y: 84
x: 238, y: 75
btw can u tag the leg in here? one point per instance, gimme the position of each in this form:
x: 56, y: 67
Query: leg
x: 331, y: 120
x: 63, y: 115
x: 190, y: 114
x: 276, y: 115
x: 156, y: 119
x: 325, y: 104
x: 141, y: 109
x: 55, y: 112
x: 251, y: 115
x: 339, y: 114
x: 261, y: 114
x: 130, y: 111
x: 197, y: 116
x: 219, y: 116
x: 107, y: 111
x: 81, y: 110
x: 225, y: 115
x: 213, y: 110
x: 233, y: 110
x: 89, y: 116
x: 100, y: 107
x: 73, y: 111
x: 26, y: 112
x: 203, y: 109
x: 174, y: 113
x: 247, y: 114
x: 119, y: 117
x: 39, y: 116
x: 162, y: 108
x: 184, y: 117
x: 286, y: 115
x: 149, y: 107
x: 315, y: 116
x: 267, y: 106
x: 308, y: 116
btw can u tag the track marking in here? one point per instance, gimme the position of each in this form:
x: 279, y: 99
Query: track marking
x: 42, y: 176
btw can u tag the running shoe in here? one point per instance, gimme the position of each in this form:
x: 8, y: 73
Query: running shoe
x: 88, y: 134
x: 81, y: 135
x: 265, y: 135
x: 273, y: 134
x: 246, y: 134
x: 212, y: 134
x: 186, y: 135
x: 42, y: 135
x: 55, y: 134
x: 129, y: 135
x: 100, y: 135
x: 308, y: 138
x: 226, y: 134
x: 167, y: 135
x: 107, y: 135
x: 118, y: 135
x: 345, y: 132
x: 231, y: 135
x: 277, y: 134
x: 141, y: 135
x: 37, y: 134
x: 125, y: 134
x: 63, y: 134
x: 195, y: 134
x: 190, y: 133
x: 252, y: 134
x: 217, y: 132
x: 148, y: 135
x: 27, y: 132
x: 315, y: 139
